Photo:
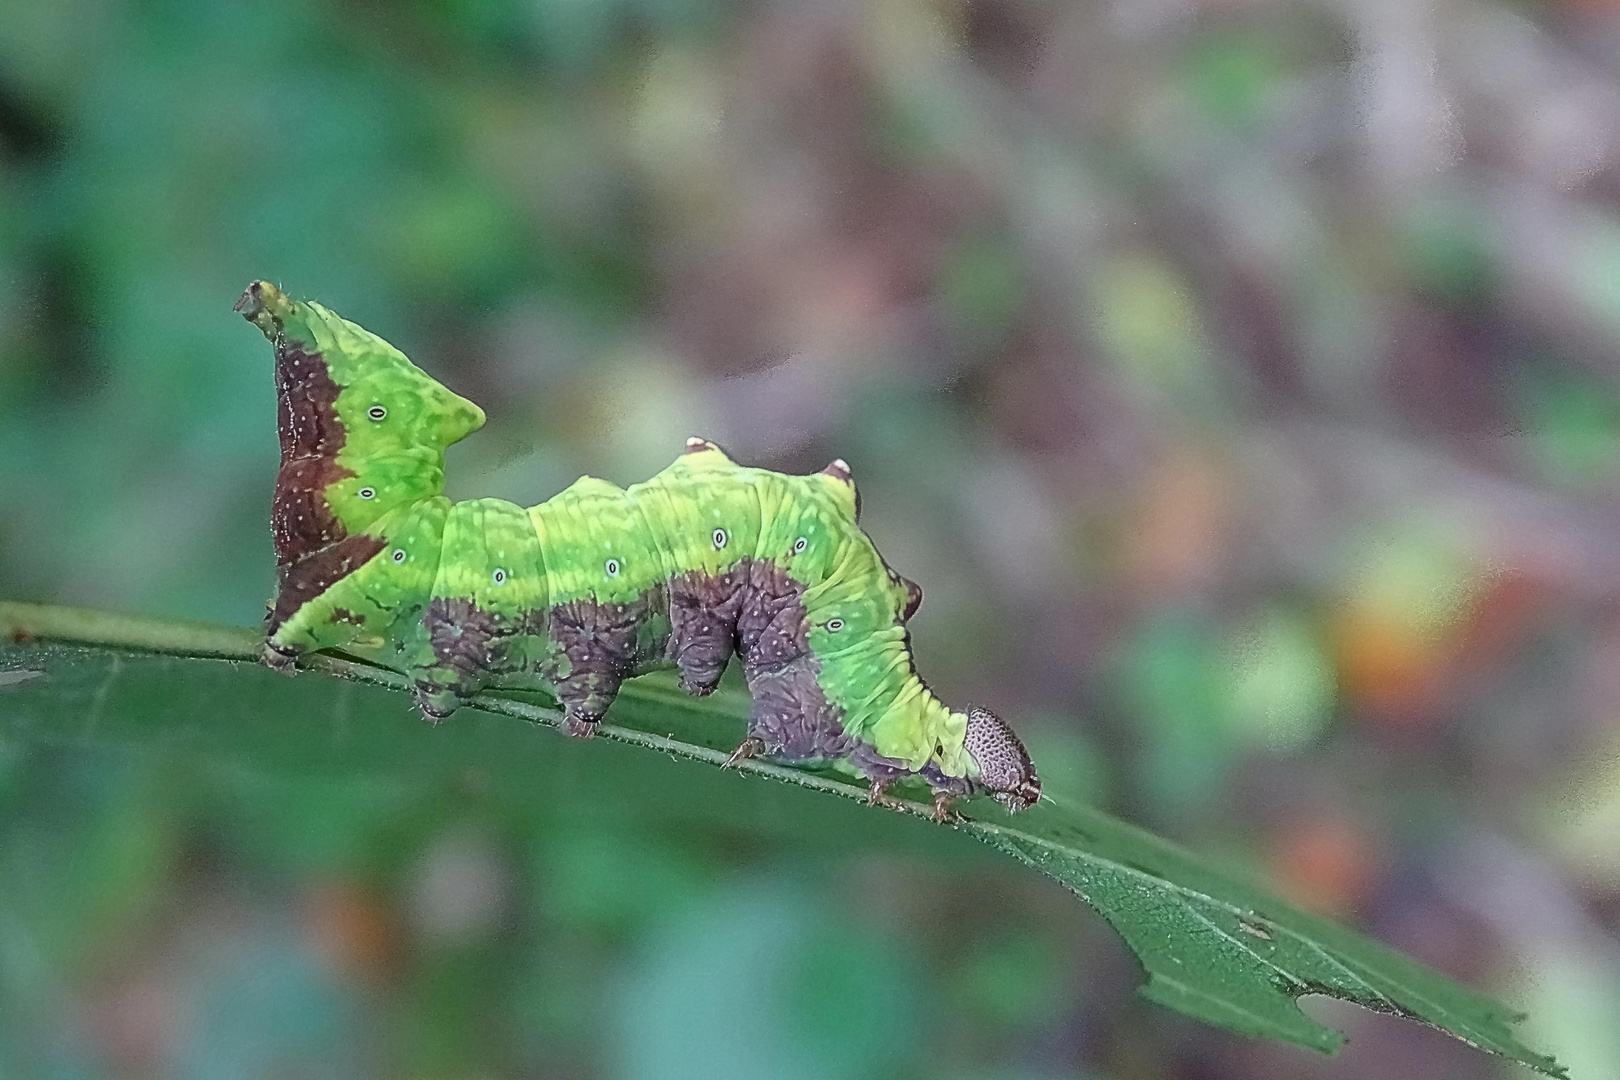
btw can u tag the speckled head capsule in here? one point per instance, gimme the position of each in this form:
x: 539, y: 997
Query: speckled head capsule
x: 1005, y: 770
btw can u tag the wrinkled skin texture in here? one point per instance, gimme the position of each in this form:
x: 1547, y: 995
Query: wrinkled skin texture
x: 704, y: 562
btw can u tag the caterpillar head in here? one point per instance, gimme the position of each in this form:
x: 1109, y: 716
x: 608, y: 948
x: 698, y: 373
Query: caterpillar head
x: 1004, y: 766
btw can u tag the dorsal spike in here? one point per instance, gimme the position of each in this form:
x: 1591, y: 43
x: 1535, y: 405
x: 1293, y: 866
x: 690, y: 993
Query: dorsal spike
x: 838, y: 469
x: 838, y: 482
x: 914, y: 597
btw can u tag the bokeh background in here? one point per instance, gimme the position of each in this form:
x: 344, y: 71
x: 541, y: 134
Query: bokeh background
x: 1240, y: 379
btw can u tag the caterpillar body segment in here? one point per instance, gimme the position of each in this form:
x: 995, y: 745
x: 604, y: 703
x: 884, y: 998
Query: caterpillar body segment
x: 706, y: 562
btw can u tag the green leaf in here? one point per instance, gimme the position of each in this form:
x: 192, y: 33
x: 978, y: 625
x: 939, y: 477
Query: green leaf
x: 1213, y: 948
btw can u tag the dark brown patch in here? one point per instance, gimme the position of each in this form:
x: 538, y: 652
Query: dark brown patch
x: 469, y: 644
x: 301, y: 521
x: 344, y: 615
x: 596, y: 650
x: 755, y: 610
x: 466, y: 639
x: 792, y: 716
x: 302, y: 581
x: 703, y: 612
x: 772, y: 630
x: 309, y: 429
x: 306, y: 399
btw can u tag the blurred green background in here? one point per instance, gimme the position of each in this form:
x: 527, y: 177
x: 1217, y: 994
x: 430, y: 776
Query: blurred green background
x: 1238, y: 378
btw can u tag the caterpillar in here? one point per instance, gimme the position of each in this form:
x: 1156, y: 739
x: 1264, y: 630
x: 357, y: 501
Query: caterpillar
x: 706, y: 561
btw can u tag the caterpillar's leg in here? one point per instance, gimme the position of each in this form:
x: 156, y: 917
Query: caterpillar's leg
x: 594, y: 652
x: 751, y: 747
x: 580, y: 725
x: 436, y: 703
x: 878, y: 794
x: 279, y: 659
x: 703, y: 613
x: 946, y: 789
x: 585, y: 695
x: 881, y: 772
x: 459, y: 646
x: 942, y: 809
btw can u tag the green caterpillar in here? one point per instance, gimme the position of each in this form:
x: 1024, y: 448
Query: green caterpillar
x: 704, y: 561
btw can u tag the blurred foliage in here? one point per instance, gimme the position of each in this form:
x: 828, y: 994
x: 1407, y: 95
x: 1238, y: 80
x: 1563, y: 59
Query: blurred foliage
x: 1237, y: 377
